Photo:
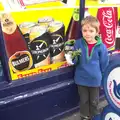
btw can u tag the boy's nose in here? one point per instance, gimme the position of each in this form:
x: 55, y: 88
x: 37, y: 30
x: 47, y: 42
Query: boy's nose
x: 87, y: 33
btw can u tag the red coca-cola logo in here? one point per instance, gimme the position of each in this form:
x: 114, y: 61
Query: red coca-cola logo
x: 108, y: 23
x: 107, y: 20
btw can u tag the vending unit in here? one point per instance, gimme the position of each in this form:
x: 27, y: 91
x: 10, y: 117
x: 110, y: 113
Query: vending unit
x: 36, y: 83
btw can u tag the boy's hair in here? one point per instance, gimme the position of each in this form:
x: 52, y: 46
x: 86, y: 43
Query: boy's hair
x: 92, y: 21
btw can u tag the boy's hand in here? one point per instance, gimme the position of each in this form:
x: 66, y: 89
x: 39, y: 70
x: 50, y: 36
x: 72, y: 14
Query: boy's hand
x: 75, y: 53
x: 71, y: 54
x: 70, y: 42
x: 69, y: 59
x: 69, y: 45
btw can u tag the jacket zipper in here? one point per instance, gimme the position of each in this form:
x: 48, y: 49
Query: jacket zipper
x: 86, y: 46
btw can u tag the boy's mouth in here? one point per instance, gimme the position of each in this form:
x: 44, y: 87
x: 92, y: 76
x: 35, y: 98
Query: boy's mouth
x: 87, y: 37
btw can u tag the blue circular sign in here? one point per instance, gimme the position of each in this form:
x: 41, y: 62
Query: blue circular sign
x: 97, y: 117
x: 109, y: 114
x: 111, y: 84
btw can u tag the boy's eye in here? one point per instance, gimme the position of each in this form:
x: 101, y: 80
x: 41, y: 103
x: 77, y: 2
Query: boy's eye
x: 84, y: 30
x: 91, y: 31
x: 88, y: 31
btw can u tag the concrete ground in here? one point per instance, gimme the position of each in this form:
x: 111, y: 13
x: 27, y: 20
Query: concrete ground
x: 76, y: 115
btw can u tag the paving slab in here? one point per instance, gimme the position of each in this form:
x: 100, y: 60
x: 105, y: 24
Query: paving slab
x: 76, y: 115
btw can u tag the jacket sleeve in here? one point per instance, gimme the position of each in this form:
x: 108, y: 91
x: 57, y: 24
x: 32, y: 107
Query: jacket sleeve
x: 76, y: 47
x: 104, y: 58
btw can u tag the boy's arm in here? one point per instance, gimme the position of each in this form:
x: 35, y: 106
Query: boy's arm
x: 72, y: 51
x: 75, y: 60
x: 104, y: 58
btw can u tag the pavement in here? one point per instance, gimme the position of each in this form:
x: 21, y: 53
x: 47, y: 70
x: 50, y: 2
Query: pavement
x: 76, y: 115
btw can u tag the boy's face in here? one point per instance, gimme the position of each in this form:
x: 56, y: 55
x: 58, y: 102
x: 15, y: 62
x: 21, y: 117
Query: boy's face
x: 89, y: 33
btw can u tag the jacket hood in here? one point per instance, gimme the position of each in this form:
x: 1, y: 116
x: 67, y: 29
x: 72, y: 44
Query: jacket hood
x: 99, y: 41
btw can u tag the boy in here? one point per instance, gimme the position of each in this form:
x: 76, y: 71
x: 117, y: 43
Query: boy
x: 89, y: 67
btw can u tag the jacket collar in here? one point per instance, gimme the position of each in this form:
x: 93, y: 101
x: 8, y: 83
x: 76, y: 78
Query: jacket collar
x: 99, y: 41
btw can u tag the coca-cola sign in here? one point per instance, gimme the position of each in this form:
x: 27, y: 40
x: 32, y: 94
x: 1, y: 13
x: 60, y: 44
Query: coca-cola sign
x: 106, y: 16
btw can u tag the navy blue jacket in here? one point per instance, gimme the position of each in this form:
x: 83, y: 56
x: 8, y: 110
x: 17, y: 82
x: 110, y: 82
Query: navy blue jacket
x: 89, y: 69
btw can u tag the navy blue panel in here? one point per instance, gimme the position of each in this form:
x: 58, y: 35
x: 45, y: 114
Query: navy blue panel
x: 35, y: 82
x: 4, y: 58
x: 42, y: 105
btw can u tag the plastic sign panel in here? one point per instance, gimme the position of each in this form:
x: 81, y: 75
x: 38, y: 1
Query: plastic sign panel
x: 108, y: 114
x: 112, y: 86
x: 22, y: 4
x: 32, y: 43
x: 101, y: 3
x: 35, y: 45
x: 28, y: 4
x: 109, y: 22
x: 109, y: 1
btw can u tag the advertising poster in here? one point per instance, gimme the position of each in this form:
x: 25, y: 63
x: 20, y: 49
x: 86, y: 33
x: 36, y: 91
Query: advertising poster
x: 28, y: 44
x: 34, y: 37
x: 32, y: 4
x: 39, y: 40
x: 109, y: 18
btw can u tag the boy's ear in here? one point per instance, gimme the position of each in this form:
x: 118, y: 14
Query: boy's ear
x: 97, y: 33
